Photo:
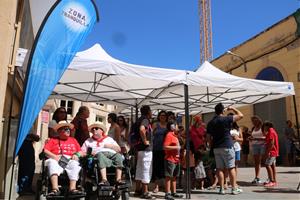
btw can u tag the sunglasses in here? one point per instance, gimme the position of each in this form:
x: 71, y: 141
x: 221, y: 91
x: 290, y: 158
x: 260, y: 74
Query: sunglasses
x: 96, y: 129
x: 65, y: 129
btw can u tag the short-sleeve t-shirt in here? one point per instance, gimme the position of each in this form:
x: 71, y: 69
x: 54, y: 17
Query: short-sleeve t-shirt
x: 219, y: 128
x: 65, y: 147
x: 171, y: 140
x: 98, y: 146
x: 272, y: 135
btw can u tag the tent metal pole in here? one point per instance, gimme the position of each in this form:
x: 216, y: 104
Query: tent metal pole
x: 296, y: 115
x: 187, y: 127
x: 136, y: 112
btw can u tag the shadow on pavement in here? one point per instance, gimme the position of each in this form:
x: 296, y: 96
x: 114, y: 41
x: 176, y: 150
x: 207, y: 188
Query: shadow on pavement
x: 245, y: 184
x: 277, y: 190
x: 289, y: 172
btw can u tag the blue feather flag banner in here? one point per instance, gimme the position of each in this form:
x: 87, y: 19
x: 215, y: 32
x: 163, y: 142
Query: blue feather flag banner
x: 60, y: 36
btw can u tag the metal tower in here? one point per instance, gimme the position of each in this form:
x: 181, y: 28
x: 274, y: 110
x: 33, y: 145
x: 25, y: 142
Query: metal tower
x: 206, y: 48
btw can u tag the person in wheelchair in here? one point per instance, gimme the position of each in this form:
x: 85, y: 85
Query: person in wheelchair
x: 63, y: 154
x: 107, y: 152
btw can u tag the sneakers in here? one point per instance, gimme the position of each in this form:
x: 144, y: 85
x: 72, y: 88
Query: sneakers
x: 147, y: 195
x: 256, y: 181
x: 236, y: 191
x: 270, y: 184
x: 222, y: 191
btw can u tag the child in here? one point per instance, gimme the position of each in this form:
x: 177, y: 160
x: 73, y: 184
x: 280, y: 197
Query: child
x: 272, y: 151
x: 200, y: 157
x: 172, y: 148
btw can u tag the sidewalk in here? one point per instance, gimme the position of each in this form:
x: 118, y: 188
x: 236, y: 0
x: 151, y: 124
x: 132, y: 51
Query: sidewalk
x: 288, y: 179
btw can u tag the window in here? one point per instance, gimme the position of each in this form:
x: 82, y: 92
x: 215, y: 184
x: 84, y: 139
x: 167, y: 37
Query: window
x: 99, y: 118
x: 68, y: 105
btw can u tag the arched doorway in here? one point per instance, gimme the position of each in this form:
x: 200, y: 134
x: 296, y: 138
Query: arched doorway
x: 274, y: 111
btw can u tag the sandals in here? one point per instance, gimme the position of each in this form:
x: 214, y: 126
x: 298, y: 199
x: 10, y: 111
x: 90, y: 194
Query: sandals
x: 54, y: 192
x: 104, y: 183
x: 75, y: 192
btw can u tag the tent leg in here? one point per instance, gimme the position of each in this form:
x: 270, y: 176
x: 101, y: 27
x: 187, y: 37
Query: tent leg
x: 136, y: 112
x: 296, y: 115
x: 187, y: 127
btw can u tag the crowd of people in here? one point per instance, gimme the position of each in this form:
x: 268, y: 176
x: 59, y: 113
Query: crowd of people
x: 159, y: 147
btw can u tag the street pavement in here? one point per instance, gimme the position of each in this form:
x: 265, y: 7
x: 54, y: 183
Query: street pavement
x: 288, y: 180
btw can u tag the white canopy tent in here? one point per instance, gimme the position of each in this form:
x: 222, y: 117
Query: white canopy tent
x: 95, y: 76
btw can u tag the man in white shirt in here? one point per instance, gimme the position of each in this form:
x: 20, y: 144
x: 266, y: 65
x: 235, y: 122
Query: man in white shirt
x: 106, y: 150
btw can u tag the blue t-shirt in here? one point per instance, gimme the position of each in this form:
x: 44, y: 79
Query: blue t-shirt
x: 219, y: 128
x: 158, y: 138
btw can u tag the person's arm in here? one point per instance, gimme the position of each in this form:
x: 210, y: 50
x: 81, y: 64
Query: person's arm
x: 143, y: 132
x: 49, y: 154
x: 117, y: 134
x: 114, y: 147
x: 238, y: 115
x: 239, y: 138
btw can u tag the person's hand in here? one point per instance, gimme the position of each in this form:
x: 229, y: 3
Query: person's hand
x: 57, y: 157
x: 75, y: 157
x: 146, y: 142
x: 235, y: 137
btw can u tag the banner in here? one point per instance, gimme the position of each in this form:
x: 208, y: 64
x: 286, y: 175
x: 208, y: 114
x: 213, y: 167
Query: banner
x: 60, y: 36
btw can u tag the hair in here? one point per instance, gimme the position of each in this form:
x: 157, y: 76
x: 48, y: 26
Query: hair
x: 258, y: 118
x: 234, y: 125
x: 81, y: 110
x: 219, y: 108
x: 113, y: 117
x: 124, y: 121
x: 145, y: 109
x: 55, y: 114
x: 170, y: 113
x: 162, y: 112
x: 267, y: 124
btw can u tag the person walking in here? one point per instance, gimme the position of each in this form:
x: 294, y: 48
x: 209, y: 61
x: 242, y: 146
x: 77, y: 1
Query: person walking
x: 219, y: 128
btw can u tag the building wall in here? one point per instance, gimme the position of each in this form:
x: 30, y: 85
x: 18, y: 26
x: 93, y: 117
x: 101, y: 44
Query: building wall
x: 278, y: 47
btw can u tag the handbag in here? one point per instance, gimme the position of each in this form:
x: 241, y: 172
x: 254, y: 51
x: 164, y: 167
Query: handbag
x: 63, y: 161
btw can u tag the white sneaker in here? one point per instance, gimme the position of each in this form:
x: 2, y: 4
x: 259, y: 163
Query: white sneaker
x: 236, y: 191
x: 222, y: 191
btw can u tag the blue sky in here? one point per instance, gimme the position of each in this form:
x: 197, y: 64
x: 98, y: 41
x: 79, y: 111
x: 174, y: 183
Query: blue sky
x: 165, y: 33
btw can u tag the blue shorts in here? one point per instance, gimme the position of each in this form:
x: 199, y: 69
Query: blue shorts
x: 225, y: 158
x: 238, y: 155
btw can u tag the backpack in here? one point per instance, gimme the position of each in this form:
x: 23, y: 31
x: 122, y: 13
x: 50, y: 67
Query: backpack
x: 135, y: 140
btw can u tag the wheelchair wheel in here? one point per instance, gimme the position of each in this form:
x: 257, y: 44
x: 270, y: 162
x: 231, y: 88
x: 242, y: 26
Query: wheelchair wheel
x: 125, y: 195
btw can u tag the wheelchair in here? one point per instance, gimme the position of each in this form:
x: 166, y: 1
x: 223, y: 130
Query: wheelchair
x: 43, y: 185
x: 92, y: 177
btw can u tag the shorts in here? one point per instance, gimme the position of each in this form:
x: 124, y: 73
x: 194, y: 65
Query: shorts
x: 225, y: 158
x: 238, y: 155
x: 171, y: 169
x: 73, y: 168
x: 270, y: 160
x: 258, y: 149
x: 143, y: 171
x: 109, y: 159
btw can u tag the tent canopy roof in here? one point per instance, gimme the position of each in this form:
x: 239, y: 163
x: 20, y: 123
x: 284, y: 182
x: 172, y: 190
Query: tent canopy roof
x: 94, y: 76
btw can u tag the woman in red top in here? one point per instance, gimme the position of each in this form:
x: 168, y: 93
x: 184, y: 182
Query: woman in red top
x: 198, y: 133
x: 272, y: 151
x: 63, y: 154
x: 172, y: 167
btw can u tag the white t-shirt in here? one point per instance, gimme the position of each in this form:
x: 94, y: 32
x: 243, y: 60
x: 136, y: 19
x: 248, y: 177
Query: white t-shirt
x: 90, y: 142
x: 257, y: 134
x: 236, y: 144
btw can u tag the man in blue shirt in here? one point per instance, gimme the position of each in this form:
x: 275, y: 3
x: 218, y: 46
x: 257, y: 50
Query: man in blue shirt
x: 222, y: 144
